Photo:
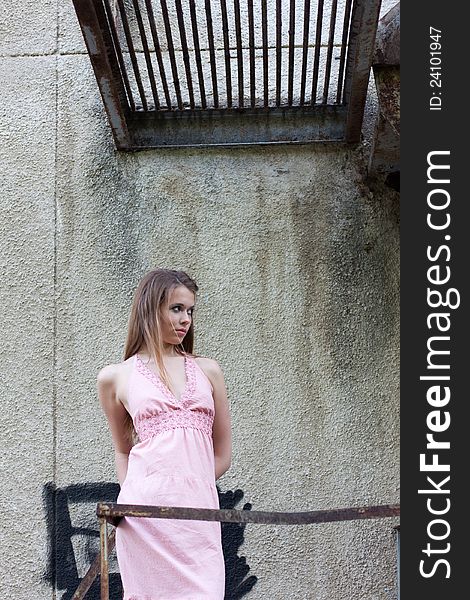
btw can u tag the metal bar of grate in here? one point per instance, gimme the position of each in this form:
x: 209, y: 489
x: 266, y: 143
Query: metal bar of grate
x: 290, y: 88
x: 210, y: 36
x: 119, y: 56
x: 278, y: 51
x: 197, y: 51
x: 316, y: 57
x: 100, y: 47
x: 238, y: 34
x: 397, y: 533
x: 364, y: 19
x: 305, y: 51
x: 228, y: 70
x: 145, y: 47
x: 94, y: 570
x: 158, y: 51
x: 264, y: 29
x: 171, y: 52
x: 251, y: 43
x: 250, y: 126
x: 184, y: 47
x: 111, y: 511
x: 329, y: 54
x: 104, y: 568
x: 132, y: 54
x: 344, y: 42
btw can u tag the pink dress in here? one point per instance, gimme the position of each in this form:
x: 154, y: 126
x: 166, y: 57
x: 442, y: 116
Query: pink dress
x: 172, y: 465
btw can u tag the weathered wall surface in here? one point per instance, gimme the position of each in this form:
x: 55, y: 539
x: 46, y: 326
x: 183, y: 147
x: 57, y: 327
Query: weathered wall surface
x: 297, y: 263
x: 27, y: 156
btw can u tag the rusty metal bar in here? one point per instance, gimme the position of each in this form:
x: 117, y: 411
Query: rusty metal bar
x: 184, y: 47
x: 158, y: 51
x: 365, y: 16
x: 278, y: 51
x: 118, y: 50
x: 316, y: 57
x: 210, y: 37
x: 145, y: 47
x: 329, y: 54
x: 112, y: 511
x: 234, y: 127
x: 104, y: 571
x: 305, y: 51
x: 251, y: 44
x: 264, y: 28
x: 228, y: 70
x: 344, y: 42
x: 397, y: 533
x: 238, y: 35
x: 171, y: 52
x: 94, y: 570
x: 99, y: 43
x: 197, y: 52
x: 290, y: 83
x: 132, y: 54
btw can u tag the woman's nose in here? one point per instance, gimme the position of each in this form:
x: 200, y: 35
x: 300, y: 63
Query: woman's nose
x: 185, y: 317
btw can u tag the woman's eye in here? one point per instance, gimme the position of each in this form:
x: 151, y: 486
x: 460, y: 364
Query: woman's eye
x: 177, y: 309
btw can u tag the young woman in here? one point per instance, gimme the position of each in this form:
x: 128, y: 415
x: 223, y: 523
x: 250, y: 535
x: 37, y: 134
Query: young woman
x: 168, y: 414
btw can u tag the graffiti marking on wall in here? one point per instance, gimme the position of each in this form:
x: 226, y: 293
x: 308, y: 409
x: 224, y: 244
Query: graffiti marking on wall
x: 74, y: 540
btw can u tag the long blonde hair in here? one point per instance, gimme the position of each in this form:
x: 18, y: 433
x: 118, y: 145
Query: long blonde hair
x: 144, y: 329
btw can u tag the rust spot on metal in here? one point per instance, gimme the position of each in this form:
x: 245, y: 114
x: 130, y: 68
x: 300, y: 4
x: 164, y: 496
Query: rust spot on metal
x: 113, y: 108
x: 90, y: 40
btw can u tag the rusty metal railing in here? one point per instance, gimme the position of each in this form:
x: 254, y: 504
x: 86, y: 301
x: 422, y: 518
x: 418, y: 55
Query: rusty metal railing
x: 113, y: 513
x: 218, y: 72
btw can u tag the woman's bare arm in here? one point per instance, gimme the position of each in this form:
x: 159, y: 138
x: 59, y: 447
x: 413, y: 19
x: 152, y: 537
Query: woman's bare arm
x: 221, y: 431
x: 117, y: 416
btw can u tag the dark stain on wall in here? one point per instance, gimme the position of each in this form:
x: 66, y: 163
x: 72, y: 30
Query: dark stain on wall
x: 233, y: 535
x: 62, y: 569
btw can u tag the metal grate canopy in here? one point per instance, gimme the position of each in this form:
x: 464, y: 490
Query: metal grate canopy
x: 230, y: 72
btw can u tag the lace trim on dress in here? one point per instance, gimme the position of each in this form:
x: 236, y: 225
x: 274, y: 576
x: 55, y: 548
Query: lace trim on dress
x: 190, y: 371
x: 148, y: 426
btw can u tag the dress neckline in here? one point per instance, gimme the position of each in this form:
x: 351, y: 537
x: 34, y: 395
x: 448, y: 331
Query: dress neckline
x: 159, y: 383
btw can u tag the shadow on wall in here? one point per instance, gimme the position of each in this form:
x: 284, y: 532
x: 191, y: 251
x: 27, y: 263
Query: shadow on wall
x: 62, y: 565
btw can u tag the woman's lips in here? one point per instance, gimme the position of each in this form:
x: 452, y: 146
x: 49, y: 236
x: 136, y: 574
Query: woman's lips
x: 181, y: 332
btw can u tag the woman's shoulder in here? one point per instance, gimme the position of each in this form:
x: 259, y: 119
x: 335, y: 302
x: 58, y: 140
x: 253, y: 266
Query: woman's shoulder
x: 210, y: 366
x: 112, y: 382
x: 110, y: 374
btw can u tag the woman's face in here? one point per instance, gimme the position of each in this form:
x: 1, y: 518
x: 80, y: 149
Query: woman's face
x: 177, y: 316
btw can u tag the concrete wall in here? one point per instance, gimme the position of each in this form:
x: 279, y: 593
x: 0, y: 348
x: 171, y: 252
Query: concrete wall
x: 297, y: 262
